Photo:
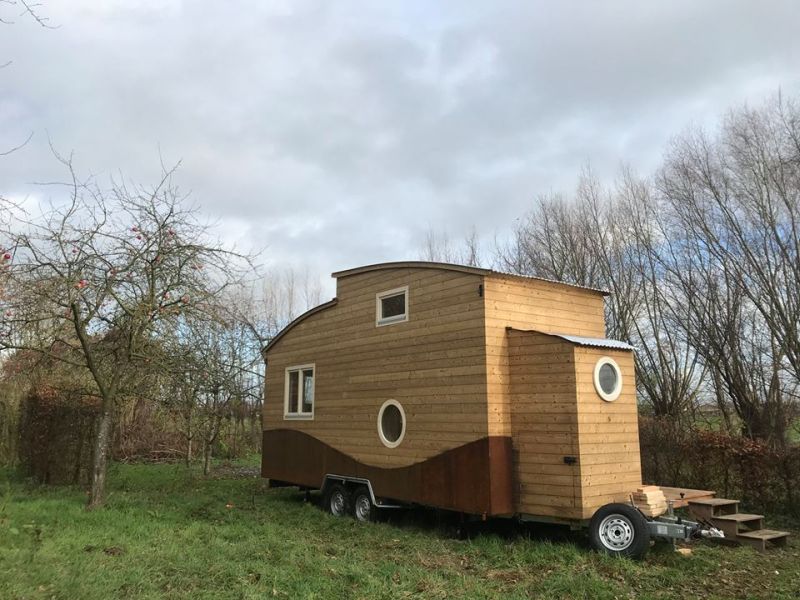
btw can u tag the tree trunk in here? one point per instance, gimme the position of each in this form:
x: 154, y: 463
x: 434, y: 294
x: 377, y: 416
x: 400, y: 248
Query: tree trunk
x: 189, y: 436
x: 102, y: 441
x: 209, y: 443
x: 207, y: 459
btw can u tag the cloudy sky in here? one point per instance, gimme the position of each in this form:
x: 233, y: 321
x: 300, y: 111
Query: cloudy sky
x: 334, y: 134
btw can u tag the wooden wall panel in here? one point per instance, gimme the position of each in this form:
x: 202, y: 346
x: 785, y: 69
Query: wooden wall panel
x: 544, y: 484
x: 530, y: 304
x: 461, y: 375
x: 556, y: 412
x: 434, y: 365
x: 608, y: 433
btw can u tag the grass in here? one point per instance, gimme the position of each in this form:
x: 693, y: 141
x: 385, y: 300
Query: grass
x: 167, y: 533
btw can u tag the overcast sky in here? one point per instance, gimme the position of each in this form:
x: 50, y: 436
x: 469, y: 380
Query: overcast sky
x: 334, y: 134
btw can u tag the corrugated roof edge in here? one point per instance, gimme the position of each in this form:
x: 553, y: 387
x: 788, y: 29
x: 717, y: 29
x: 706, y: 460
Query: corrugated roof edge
x: 582, y: 341
x: 297, y: 320
x: 419, y: 264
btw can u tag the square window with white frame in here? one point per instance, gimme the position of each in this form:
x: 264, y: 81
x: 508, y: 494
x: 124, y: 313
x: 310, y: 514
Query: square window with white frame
x: 299, y: 392
x: 391, y: 306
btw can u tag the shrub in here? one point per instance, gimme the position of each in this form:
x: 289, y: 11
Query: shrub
x: 55, y: 435
x: 761, y: 477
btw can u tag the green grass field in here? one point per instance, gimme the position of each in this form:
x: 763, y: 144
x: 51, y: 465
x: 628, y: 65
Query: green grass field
x: 168, y: 534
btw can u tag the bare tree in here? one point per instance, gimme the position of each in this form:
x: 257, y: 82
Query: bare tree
x: 550, y: 241
x: 669, y: 372
x: 608, y: 238
x: 734, y: 202
x: 11, y: 10
x: 470, y: 253
x: 703, y: 265
x: 438, y: 247
x: 740, y: 195
x: 106, y: 273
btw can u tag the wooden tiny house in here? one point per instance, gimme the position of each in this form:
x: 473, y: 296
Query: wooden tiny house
x: 459, y: 388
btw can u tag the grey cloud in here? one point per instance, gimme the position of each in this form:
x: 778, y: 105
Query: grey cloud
x: 334, y: 134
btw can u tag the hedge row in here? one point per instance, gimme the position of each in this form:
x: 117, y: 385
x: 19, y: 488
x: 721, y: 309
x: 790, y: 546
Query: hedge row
x: 762, y: 478
x: 56, y: 430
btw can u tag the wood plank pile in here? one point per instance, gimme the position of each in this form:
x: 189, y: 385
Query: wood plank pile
x: 651, y: 500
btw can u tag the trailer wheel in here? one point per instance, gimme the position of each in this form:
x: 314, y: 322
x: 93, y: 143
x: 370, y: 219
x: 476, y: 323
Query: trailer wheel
x: 619, y: 530
x: 337, y: 500
x: 363, y: 510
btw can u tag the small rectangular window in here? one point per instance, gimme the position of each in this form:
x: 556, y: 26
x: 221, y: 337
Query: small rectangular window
x: 299, y: 394
x: 391, y: 306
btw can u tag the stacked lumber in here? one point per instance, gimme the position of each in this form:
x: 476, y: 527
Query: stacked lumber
x: 651, y: 500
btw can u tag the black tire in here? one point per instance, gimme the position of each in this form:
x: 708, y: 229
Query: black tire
x: 337, y: 500
x: 363, y: 509
x: 619, y: 530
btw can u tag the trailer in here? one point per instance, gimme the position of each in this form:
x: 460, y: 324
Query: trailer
x: 465, y: 389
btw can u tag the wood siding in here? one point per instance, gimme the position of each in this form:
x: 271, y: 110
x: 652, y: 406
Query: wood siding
x: 556, y: 412
x: 434, y: 365
x: 544, y: 425
x: 608, y: 433
x: 530, y: 304
x: 462, y: 376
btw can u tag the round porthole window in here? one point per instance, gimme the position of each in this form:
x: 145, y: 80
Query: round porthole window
x: 607, y: 379
x: 391, y: 423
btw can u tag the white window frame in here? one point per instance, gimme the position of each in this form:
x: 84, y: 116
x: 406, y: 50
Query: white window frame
x: 299, y: 416
x: 607, y: 360
x: 398, y: 441
x: 379, y: 320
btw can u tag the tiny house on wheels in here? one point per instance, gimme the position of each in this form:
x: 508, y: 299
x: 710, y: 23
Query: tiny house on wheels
x: 466, y: 389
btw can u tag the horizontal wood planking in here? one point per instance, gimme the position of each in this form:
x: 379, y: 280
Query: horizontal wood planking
x: 538, y: 305
x: 608, y: 434
x: 556, y: 412
x: 450, y: 366
x: 541, y: 440
x: 434, y: 365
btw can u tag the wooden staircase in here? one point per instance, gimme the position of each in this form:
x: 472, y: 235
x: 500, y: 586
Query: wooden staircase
x: 746, y: 529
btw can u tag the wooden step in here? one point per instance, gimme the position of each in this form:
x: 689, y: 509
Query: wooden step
x: 681, y: 496
x: 759, y: 538
x: 733, y: 525
x: 706, y: 508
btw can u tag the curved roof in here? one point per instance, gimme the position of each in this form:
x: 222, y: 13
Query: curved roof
x: 296, y: 321
x: 419, y: 264
x: 413, y: 264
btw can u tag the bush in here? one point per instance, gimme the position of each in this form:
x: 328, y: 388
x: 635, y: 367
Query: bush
x: 761, y: 477
x: 56, y: 432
